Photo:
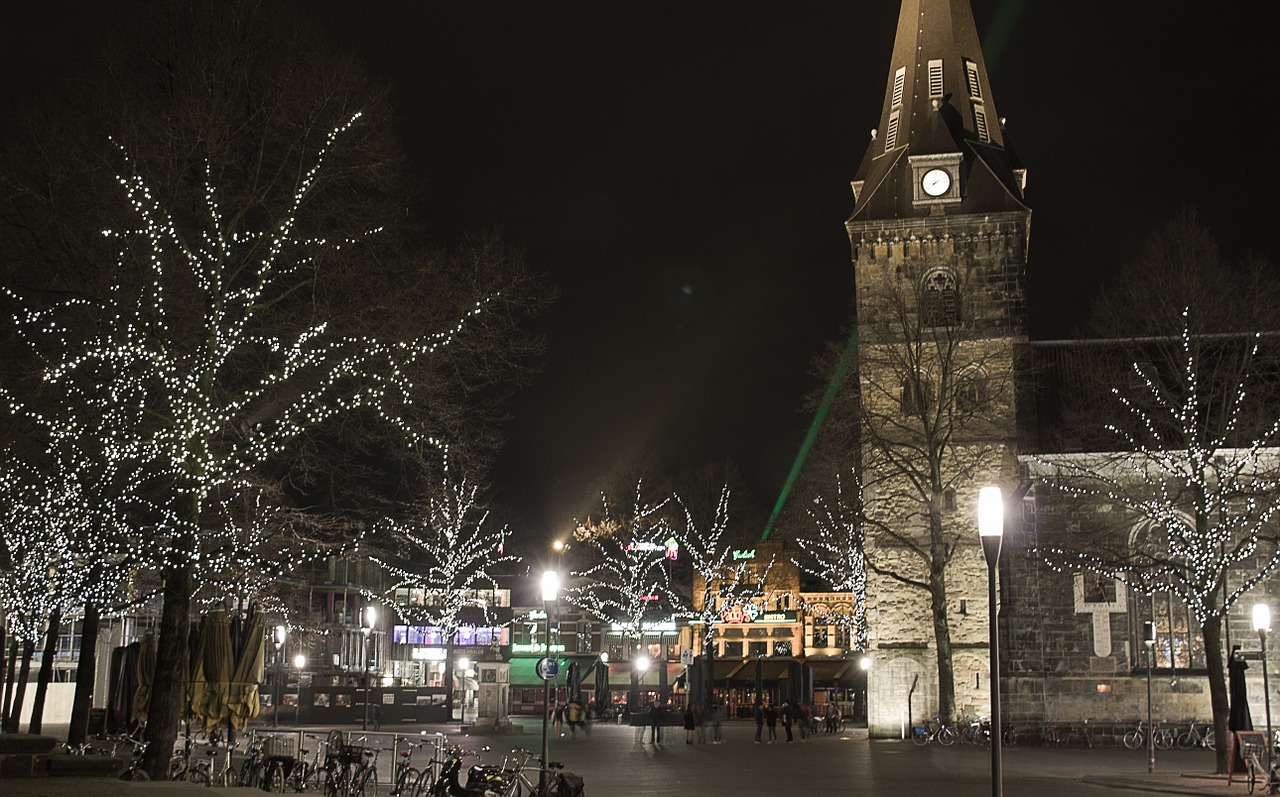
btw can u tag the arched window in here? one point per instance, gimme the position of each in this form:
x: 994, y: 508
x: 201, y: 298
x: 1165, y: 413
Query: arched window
x: 915, y: 396
x: 939, y: 299
x: 1179, y: 643
x: 971, y: 390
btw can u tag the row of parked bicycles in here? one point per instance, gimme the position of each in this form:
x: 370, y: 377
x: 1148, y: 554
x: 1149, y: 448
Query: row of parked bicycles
x: 342, y: 765
x: 978, y: 731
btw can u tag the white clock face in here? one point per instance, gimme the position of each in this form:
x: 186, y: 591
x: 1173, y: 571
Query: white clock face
x: 936, y: 182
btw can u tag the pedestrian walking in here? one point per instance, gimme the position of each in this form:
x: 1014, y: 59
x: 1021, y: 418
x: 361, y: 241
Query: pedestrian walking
x: 717, y: 717
x: 377, y: 717
x: 690, y: 724
x: 700, y: 720
x: 557, y: 720
x: 788, y: 717
x: 573, y: 715
x: 771, y: 720
x: 803, y: 717
x: 759, y: 721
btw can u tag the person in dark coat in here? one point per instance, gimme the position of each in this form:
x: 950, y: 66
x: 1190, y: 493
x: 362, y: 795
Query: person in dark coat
x: 1239, y: 718
x: 759, y: 721
x: 689, y: 724
x: 771, y: 721
x: 787, y: 718
x: 656, y: 715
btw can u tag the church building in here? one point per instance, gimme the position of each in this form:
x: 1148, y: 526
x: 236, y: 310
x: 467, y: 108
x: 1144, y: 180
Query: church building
x: 952, y: 394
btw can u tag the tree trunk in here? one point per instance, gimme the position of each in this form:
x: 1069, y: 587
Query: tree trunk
x: 448, y: 680
x: 20, y: 685
x: 167, y: 689
x: 1211, y: 632
x: 46, y: 672
x: 86, y: 673
x: 4, y: 681
x: 711, y: 676
x: 941, y: 626
x: 9, y: 679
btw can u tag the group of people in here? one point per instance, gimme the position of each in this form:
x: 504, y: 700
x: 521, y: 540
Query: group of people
x: 574, y: 715
x: 768, y: 716
x: 696, y: 719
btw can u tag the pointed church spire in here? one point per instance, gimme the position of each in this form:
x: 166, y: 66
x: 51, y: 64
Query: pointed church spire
x: 938, y: 119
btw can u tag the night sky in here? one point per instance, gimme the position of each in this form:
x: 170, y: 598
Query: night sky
x: 680, y: 170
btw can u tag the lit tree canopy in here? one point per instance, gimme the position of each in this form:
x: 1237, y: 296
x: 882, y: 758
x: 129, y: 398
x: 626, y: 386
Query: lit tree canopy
x: 835, y: 555
x: 625, y: 579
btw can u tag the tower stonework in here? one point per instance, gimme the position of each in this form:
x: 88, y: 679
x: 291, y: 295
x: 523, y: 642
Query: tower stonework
x: 939, y: 236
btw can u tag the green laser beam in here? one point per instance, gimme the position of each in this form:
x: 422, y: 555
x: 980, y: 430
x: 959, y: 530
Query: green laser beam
x: 833, y: 387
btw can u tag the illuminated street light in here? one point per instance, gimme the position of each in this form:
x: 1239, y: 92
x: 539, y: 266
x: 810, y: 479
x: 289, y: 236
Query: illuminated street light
x: 367, y: 620
x: 550, y: 592
x: 278, y: 636
x: 991, y: 530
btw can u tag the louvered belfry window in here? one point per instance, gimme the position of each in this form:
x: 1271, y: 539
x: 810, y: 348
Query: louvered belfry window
x: 980, y: 122
x: 971, y: 75
x: 891, y: 137
x: 899, y: 85
x: 935, y: 78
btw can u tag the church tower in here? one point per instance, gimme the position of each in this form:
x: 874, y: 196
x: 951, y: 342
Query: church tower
x: 939, y: 235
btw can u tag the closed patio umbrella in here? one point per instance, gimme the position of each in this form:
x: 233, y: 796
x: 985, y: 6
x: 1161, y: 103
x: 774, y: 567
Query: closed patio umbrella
x: 146, y: 674
x: 243, y: 697
x: 213, y: 669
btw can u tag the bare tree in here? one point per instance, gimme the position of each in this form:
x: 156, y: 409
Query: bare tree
x: 935, y: 407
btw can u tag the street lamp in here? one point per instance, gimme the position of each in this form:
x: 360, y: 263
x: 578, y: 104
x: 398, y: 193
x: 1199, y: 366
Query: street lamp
x: 1149, y: 641
x: 278, y: 637
x: 550, y: 590
x: 299, y: 662
x: 367, y: 619
x: 1262, y: 624
x: 991, y: 530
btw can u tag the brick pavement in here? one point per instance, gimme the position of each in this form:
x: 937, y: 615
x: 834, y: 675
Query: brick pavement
x: 613, y: 763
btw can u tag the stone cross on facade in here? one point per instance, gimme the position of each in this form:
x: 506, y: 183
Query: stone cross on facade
x: 1101, y: 611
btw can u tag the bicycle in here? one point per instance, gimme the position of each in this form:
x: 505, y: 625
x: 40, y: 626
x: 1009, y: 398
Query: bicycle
x: 1198, y: 734
x: 936, y: 730
x: 977, y: 731
x: 304, y: 773
x: 403, y: 773
x: 1135, y: 738
x: 1079, y: 734
x: 136, y: 770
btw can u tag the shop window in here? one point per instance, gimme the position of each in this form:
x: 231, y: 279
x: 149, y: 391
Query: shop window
x: 844, y: 637
x: 782, y: 648
x: 759, y: 649
x: 733, y: 650
x: 820, y: 634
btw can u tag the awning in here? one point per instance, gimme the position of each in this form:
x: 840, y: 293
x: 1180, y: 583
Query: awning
x: 832, y: 671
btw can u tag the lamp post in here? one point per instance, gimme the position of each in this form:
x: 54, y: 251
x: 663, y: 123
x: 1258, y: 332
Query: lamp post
x: 277, y: 638
x: 550, y: 590
x: 1262, y: 624
x: 991, y: 531
x: 367, y: 620
x: 299, y: 662
x: 1149, y: 642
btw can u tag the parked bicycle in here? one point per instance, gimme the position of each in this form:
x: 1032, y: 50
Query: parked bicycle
x: 1198, y: 734
x: 934, y: 730
x: 1137, y: 736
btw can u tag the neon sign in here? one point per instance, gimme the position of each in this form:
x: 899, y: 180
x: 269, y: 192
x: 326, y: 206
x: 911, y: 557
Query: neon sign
x: 740, y: 554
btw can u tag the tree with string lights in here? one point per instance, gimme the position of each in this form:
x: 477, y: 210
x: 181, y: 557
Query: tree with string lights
x: 1184, y: 501
x: 444, y: 559
x: 230, y: 226
x: 624, y: 579
x: 835, y: 555
x: 720, y: 580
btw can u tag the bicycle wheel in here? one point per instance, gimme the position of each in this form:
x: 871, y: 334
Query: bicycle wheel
x: 404, y: 781
x: 1009, y: 738
x: 1133, y: 739
x: 919, y: 737
x: 199, y: 774
x: 1254, y: 767
x: 367, y: 785
x: 274, y: 778
x: 946, y: 736
x: 1186, y: 741
x: 1164, y: 740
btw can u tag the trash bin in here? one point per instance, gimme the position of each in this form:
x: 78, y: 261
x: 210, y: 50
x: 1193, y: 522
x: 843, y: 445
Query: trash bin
x: 97, y: 722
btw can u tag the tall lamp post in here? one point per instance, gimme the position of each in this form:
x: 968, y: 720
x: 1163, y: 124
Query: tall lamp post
x: 1149, y: 642
x: 550, y: 591
x: 1262, y: 624
x: 277, y: 638
x: 367, y: 620
x: 299, y: 662
x: 991, y: 530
